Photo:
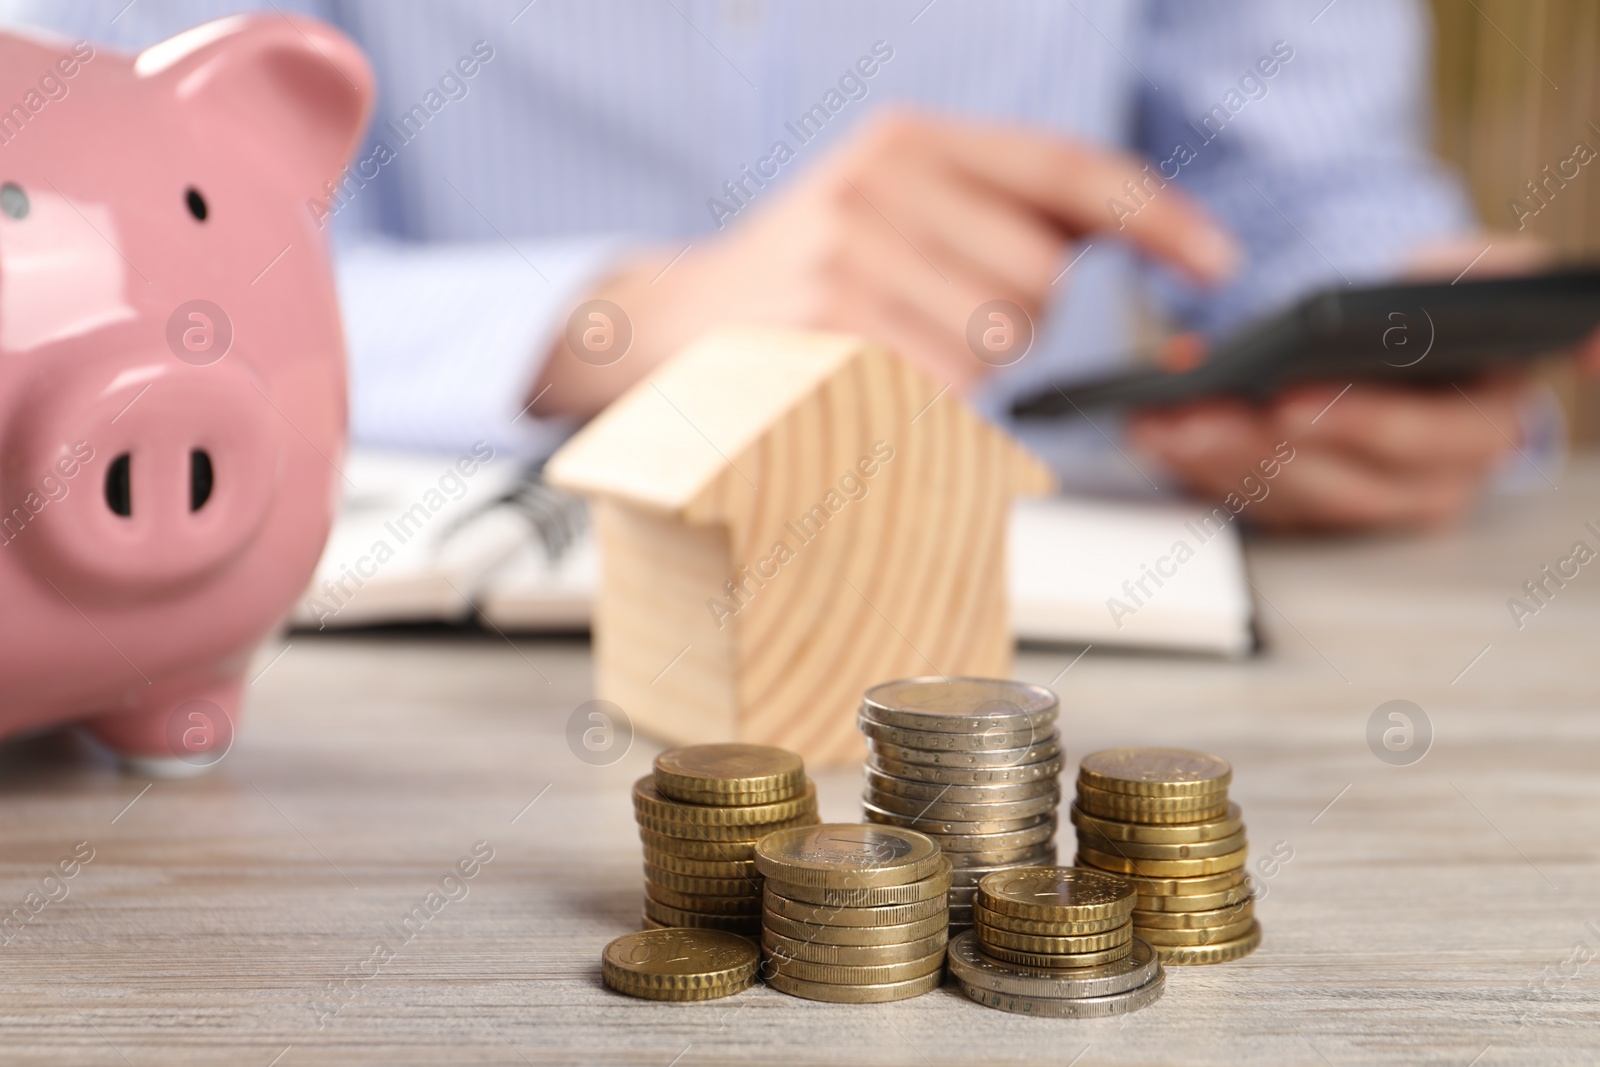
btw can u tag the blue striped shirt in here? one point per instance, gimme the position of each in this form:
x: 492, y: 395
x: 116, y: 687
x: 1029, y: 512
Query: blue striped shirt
x: 590, y: 128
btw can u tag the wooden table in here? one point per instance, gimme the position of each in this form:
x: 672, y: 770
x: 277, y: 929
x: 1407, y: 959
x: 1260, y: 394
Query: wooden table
x: 1441, y: 912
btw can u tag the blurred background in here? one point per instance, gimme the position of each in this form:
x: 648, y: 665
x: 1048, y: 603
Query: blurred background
x: 1518, y: 86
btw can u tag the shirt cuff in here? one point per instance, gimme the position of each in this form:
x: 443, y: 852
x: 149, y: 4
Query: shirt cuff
x: 1540, y: 457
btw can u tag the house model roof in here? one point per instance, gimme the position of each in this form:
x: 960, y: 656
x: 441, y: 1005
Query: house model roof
x: 688, y: 429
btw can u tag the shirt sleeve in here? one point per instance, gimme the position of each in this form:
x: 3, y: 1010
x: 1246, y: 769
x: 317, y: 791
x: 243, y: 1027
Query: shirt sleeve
x: 444, y: 339
x: 1304, y: 127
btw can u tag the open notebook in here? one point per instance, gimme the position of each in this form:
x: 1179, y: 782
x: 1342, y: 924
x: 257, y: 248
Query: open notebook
x: 441, y: 538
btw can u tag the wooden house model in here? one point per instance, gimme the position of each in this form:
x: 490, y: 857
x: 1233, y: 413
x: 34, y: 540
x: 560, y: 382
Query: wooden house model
x: 784, y: 519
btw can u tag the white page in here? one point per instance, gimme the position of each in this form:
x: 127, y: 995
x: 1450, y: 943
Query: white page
x: 1137, y: 574
x: 1068, y: 558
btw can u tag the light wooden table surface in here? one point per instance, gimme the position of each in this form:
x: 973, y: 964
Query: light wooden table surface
x: 1441, y: 912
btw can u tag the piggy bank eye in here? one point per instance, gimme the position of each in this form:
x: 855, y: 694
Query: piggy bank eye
x: 13, y: 201
x: 197, y: 203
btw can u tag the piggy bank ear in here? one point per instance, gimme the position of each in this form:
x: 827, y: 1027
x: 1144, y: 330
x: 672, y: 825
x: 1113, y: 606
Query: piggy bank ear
x: 289, y: 94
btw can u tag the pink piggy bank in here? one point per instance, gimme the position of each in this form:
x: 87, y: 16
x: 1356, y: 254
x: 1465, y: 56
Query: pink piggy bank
x: 172, y: 382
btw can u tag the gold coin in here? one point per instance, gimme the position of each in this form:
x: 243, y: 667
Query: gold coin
x: 1160, y: 811
x: 843, y: 974
x: 1056, y: 959
x: 1139, y: 850
x: 877, y: 993
x: 1045, y: 927
x: 883, y: 915
x: 704, y: 904
x: 848, y: 856
x: 736, y: 800
x: 667, y: 915
x: 935, y: 885
x: 1223, y: 898
x: 679, y: 964
x: 737, y: 773
x: 1202, y: 885
x: 698, y: 832
x: 1218, y: 952
x: 960, y: 705
x: 1194, y: 920
x: 1145, y: 833
x: 1155, y: 772
x: 1208, y: 936
x: 776, y: 945
x: 688, y: 883
x: 1056, y: 894
x: 702, y: 849
x: 1088, y: 857
x: 649, y: 802
x: 820, y: 934
x: 990, y: 936
x: 717, y: 868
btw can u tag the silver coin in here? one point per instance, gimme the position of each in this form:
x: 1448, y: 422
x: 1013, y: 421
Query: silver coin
x: 970, y: 965
x: 968, y: 877
x: 939, y: 741
x: 967, y: 811
x: 988, y: 862
x: 1035, y: 858
x: 949, y: 793
x: 997, y: 843
x: 922, y: 772
x: 1047, y: 747
x: 960, y: 705
x: 1071, y: 1007
x: 938, y: 827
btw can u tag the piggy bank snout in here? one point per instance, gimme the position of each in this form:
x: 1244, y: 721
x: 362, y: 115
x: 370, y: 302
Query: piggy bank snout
x: 140, y: 476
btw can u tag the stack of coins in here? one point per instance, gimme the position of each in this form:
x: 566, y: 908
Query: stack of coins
x: 1160, y: 818
x: 1056, y: 942
x: 972, y: 763
x: 700, y: 815
x: 680, y: 965
x: 853, y: 914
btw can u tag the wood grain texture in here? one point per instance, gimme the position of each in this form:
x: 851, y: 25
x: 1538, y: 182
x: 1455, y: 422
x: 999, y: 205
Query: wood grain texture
x: 797, y: 542
x: 1427, y: 915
